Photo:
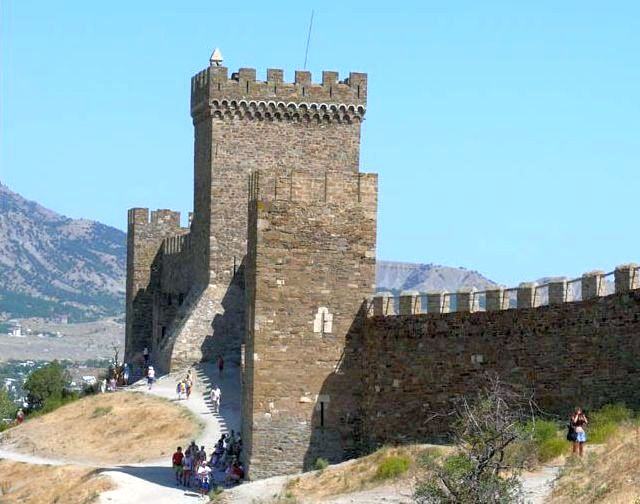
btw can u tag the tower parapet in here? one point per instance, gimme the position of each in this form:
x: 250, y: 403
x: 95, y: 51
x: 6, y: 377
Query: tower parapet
x: 214, y: 92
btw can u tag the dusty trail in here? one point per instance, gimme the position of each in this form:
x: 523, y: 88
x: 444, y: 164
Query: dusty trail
x: 154, y: 481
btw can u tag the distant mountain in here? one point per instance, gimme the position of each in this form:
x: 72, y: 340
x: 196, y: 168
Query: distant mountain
x: 398, y: 276
x: 51, y: 265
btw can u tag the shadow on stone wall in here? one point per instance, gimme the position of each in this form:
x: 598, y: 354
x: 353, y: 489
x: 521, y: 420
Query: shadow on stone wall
x: 227, y: 328
x: 338, y: 421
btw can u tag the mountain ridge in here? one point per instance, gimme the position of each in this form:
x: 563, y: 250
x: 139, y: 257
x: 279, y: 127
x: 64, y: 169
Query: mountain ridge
x: 52, y: 265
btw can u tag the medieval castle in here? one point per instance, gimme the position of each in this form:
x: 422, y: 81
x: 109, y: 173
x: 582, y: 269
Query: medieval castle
x: 277, y: 271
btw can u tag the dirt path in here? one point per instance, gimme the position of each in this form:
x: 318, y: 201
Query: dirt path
x: 154, y: 481
x: 537, y: 485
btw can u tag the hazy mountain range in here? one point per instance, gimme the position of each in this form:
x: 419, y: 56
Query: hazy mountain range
x: 53, y: 265
x: 398, y: 276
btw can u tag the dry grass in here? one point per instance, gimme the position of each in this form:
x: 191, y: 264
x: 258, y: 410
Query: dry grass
x: 609, y: 474
x: 359, y: 474
x: 38, y: 484
x: 106, y: 429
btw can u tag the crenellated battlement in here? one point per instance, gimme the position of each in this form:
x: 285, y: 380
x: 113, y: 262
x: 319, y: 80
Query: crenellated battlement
x: 242, y: 95
x: 332, y: 187
x: 556, y: 291
x: 162, y: 218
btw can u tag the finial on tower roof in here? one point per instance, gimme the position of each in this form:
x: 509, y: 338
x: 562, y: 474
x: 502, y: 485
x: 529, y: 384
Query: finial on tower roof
x: 216, y: 57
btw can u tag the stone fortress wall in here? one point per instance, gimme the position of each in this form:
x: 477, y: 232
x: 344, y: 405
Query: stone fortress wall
x: 276, y: 271
x: 570, y: 352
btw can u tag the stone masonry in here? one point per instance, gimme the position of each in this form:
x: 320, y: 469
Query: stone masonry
x: 276, y: 271
x: 311, y: 257
x: 194, y: 307
x: 568, y: 353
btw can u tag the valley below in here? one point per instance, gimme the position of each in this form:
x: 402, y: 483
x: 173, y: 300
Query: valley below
x: 43, y: 340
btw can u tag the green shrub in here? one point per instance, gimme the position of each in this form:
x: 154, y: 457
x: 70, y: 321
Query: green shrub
x: 8, y: 408
x: 550, y: 441
x: 544, y: 430
x: 552, y: 448
x: 392, y: 467
x: 604, y: 422
x: 321, y: 464
x: 600, y: 432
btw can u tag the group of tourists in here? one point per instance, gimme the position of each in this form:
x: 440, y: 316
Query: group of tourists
x: 185, y: 386
x: 194, y: 470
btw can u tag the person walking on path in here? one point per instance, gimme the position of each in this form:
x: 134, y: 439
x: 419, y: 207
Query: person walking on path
x: 216, y: 396
x: 20, y: 416
x: 220, y: 365
x: 579, y: 421
x: 145, y: 354
x: 125, y: 374
x: 188, y: 385
x: 176, y: 460
x: 151, y: 376
x: 187, y: 466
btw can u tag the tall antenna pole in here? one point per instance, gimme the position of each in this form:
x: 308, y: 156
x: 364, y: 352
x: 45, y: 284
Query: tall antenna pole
x: 306, y: 51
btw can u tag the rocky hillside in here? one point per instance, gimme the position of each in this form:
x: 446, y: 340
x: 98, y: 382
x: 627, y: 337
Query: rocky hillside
x: 398, y: 276
x: 52, y: 265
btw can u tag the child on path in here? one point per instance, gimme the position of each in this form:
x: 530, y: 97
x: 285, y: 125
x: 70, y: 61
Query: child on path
x: 151, y: 376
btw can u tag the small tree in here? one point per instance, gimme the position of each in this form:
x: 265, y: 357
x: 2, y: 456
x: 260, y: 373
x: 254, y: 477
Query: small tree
x: 481, y: 471
x: 8, y: 408
x: 45, y: 384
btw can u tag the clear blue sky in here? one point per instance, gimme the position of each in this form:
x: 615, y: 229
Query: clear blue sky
x: 506, y: 134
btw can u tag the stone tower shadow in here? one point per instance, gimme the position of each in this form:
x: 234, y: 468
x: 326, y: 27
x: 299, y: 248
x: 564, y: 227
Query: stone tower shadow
x: 227, y: 328
x: 338, y: 422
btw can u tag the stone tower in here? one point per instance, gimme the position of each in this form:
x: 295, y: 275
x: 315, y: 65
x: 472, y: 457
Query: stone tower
x: 276, y: 262
x: 243, y: 125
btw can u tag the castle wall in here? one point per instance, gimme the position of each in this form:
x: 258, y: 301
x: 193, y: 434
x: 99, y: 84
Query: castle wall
x: 146, y: 233
x: 311, y: 260
x: 578, y: 353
